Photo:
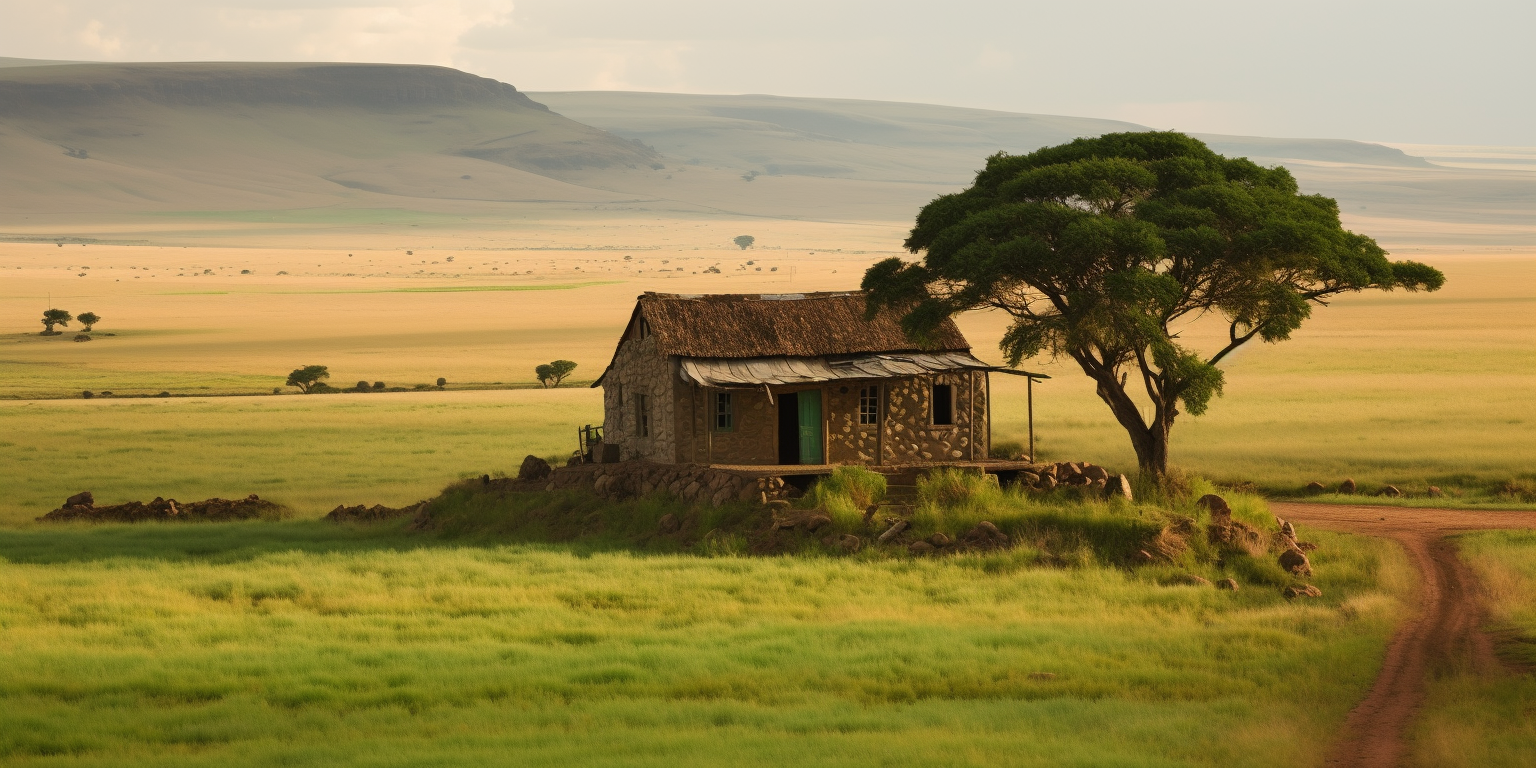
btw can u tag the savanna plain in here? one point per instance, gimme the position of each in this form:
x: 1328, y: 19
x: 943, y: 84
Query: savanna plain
x: 554, y: 628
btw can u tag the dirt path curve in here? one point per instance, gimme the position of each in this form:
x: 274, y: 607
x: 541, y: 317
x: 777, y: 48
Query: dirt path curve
x: 1444, y: 631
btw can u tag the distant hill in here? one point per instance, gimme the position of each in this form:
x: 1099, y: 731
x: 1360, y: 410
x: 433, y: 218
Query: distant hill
x: 1380, y: 189
x: 134, y: 137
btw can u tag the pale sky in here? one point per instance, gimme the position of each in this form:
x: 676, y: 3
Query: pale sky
x: 1446, y: 72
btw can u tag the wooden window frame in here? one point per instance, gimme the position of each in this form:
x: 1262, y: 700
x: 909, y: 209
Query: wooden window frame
x: 869, y: 405
x: 724, y: 412
x: 642, y: 415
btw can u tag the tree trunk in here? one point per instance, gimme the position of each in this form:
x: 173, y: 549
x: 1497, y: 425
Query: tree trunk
x: 1150, y: 441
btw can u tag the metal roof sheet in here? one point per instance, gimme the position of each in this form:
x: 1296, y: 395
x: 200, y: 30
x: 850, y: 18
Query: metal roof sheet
x: 757, y: 371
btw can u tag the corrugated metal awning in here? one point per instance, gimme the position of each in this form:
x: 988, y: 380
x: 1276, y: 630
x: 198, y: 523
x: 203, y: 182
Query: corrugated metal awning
x: 757, y: 371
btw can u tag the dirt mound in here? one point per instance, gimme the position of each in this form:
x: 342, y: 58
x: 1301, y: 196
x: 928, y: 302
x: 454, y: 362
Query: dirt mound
x: 375, y: 513
x: 82, y: 507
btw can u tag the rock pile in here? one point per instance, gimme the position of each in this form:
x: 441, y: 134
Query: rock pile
x: 690, y: 482
x: 82, y: 507
x: 1228, y: 533
x: 375, y: 513
x: 1075, y: 475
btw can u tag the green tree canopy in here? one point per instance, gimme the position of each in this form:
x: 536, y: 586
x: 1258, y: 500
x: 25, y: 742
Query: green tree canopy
x: 551, y: 374
x: 745, y: 241
x: 309, y: 378
x: 88, y: 319
x: 1102, y: 250
x: 52, y: 317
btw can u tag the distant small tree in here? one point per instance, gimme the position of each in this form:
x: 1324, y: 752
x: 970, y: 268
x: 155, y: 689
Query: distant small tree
x: 88, y: 319
x: 52, y: 317
x: 309, y: 378
x: 442, y: 382
x: 745, y: 241
x: 551, y: 374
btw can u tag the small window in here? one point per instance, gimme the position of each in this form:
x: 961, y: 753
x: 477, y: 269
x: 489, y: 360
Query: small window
x: 642, y: 329
x: 642, y: 416
x: 725, y: 414
x: 869, y: 405
x: 943, y: 404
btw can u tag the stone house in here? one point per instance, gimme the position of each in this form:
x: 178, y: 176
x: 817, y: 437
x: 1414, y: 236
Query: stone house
x: 789, y: 379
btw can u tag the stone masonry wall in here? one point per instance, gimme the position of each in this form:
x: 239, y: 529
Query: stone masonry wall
x: 908, y: 436
x: 639, y: 369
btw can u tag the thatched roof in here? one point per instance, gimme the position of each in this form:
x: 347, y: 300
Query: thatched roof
x: 773, y: 325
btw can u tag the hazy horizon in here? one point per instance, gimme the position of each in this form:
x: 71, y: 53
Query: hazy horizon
x: 1401, y: 73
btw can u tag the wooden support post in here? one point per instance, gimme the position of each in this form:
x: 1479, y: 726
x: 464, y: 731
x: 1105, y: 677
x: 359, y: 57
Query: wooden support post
x: 1030, y: 389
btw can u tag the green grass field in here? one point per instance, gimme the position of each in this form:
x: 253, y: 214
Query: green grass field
x: 1472, y: 720
x: 310, y: 453
x: 306, y: 643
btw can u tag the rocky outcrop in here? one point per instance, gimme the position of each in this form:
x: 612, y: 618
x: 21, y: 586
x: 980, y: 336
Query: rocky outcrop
x: 364, y: 514
x: 533, y: 468
x: 82, y: 507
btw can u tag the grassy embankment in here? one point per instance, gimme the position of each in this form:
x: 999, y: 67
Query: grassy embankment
x: 1472, y: 720
x: 485, y: 642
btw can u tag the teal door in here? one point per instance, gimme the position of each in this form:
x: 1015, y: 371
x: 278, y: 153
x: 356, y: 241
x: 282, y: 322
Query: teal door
x: 810, y: 427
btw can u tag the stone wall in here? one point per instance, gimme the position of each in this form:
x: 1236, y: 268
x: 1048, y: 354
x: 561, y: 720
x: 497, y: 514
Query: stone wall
x: 907, y: 434
x: 639, y: 369
x: 690, y: 482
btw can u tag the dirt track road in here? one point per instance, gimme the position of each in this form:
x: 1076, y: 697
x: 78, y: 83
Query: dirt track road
x: 1444, y: 631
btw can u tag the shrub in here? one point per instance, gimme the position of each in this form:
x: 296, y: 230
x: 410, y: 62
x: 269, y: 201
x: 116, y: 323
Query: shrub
x: 362, y: 386
x: 87, y: 394
x: 442, y: 382
x: 1010, y: 450
x: 378, y: 386
x: 846, y: 494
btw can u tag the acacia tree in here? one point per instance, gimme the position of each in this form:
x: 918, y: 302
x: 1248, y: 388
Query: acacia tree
x: 52, y: 317
x: 744, y: 241
x: 88, y: 319
x: 551, y: 374
x: 309, y: 378
x: 1104, y: 249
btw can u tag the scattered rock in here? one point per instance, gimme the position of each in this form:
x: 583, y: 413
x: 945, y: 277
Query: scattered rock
x: 1216, y: 504
x: 1235, y: 536
x: 1095, y: 473
x: 1315, y: 487
x: 984, y: 536
x: 1390, y: 491
x: 1306, y: 546
x: 1287, y: 529
x: 668, y: 524
x: 1305, y: 590
x: 81, y: 499
x: 920, y: 548
x: 939, y: 540
x: 534, y: 468
x: 1348, y: 486
x: 1228, y: 584
x: 846, y: 542
x: 1119, y: 486
x: 1435, y: 491
x: 1193, y: 580
x: 1295, y: 561
x: 1047, y: 483
x: 816, y: 521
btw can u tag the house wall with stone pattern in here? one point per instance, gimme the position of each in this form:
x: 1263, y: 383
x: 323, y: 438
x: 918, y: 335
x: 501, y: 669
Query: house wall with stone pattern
x: 638, y: 368
x: 908, y: 434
